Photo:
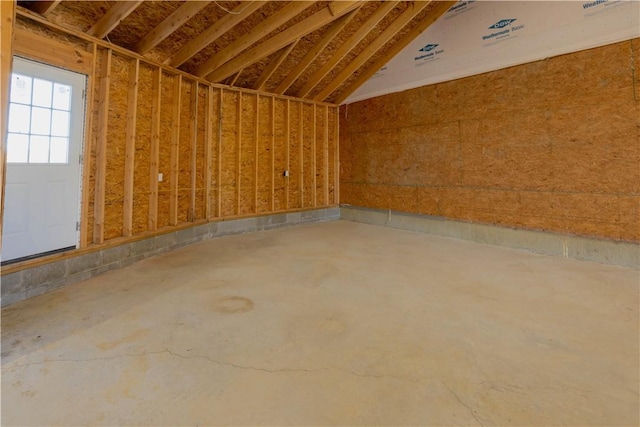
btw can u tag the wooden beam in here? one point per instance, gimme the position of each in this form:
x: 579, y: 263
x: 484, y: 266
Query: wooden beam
x: 87, y: 149
x: 219, y: 158
x: 101, y: 148
x: 239, y: 146
x: 440, y: 8
x: 313, y: 53
x: 194, y: 146
x: 255, y: 163
x: 154, y: 152
x: 110, y: 20
x: 7, y: 21
x: 44, y: 7
x: 347, y: 46
x: 180, y: 16
x: 398, y: 24
x: 273, y: 154
x: 301, y: 156
x: 130, y: 148
x: 273, y: 66
x: 287, y: 137
x: 234, y: 78
x: 336, y: 158
x: 248, y: 39
x: 325, y: 156
x: 314, y: 161
x: 208, y: 151
x: 218, y: 70
x: 211, y: 34
x: 175, y: 150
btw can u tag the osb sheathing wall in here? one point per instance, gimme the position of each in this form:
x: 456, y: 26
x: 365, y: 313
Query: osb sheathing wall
x: 222, y: 152
x: 551, y: 145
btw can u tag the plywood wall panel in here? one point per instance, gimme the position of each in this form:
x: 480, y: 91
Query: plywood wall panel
x: 308, y: 143
x: 294, y: 155
x: 332, y: 150
x: 185, y: 150
x: 142, y: 151
x: 320, y: 179
x: 264, y: 154
x: 279, y: 152
x: 229, y: 158
x: 167, y: 105
x: 551, y: 145
x: 201, y: 162
x: 248, y: 154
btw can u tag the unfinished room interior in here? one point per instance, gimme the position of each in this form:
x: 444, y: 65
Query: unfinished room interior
x: 320, y: 213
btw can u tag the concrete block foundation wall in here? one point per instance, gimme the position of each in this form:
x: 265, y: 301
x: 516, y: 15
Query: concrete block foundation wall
x: 47, y: 277
x: 551, y: 145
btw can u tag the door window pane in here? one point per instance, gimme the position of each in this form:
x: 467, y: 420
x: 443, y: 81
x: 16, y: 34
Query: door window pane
x: 41, y: 121
x: 39, y: 149
x: 61, y: 96
x: 59, y: 150
x: 19, y: 118
x: 59, y: 123
x: 21, y: 89
x: 42, y: 93
x: 17, y: 148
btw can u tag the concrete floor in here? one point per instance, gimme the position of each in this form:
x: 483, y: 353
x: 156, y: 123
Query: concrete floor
x: 327, y: 324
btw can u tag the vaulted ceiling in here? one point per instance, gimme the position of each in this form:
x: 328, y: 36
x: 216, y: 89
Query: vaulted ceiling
x: 320, y: 50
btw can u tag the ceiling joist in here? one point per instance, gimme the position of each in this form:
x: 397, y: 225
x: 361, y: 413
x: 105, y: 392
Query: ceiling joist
x: 171, y: 23
x: 346, y: 47
x: 438, y: 10
x: 273, y: 66
x: 301, y: 29
x: 118, y: 12
x: 256, y: 34
x: 318, y: 47
x: 44, y: 7
x: 398, y: 24
x: 211, y: 34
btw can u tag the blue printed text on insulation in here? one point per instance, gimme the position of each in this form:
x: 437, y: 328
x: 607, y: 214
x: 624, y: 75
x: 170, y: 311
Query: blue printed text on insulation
x: 460, y: 6
x: 502, y: 23
x: 428, y: 48
x: 593, y: 3
x: 430, y: 52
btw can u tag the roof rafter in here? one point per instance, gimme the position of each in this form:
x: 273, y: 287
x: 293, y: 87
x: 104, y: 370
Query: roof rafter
x: 44, y: 7
x: 398, y: 24
x: 212, y: 33
x: 318, y: 47
x: 273, y: 65
x: 257, y: 33
x: 436, y: 12
x: 347, y: 46
x: 308, y: 25
x: 118, y: 12
x: 182, y: 14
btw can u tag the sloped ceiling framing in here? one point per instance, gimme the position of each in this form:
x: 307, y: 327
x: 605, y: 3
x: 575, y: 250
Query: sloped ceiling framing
x: 319, y: 50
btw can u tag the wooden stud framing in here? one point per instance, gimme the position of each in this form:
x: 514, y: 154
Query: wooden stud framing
x: 301, y: 155
x: 154, y: 159
x: 110, y: 20
x: 44, y: 7
x: 101, y: 148
x: 208, y: 151
x: 239, y: 147
x: 194, y: 146
x: 275, y: 43
x: 171, y: 23
x: 273, y: 154
x: 287, y: 136
x: 314, y: 160
x: 336, y: 157
x: 346, y: 47
x: 7, y: 19
x: 86, y: 153
x: 318, y: 47
x: 255, y: 163
x: 219, y: 158
x: 175, y: 152
x: 398, y: 24
x: 211, y: 34
x: 325, y: 157
x: 265, y: 27
x: 130, y: 148
x: 233, y: 79
x: 440, y: 8
x: 273, y: 65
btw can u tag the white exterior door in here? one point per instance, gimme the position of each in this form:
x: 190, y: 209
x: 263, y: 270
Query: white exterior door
x: 44, y: 145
